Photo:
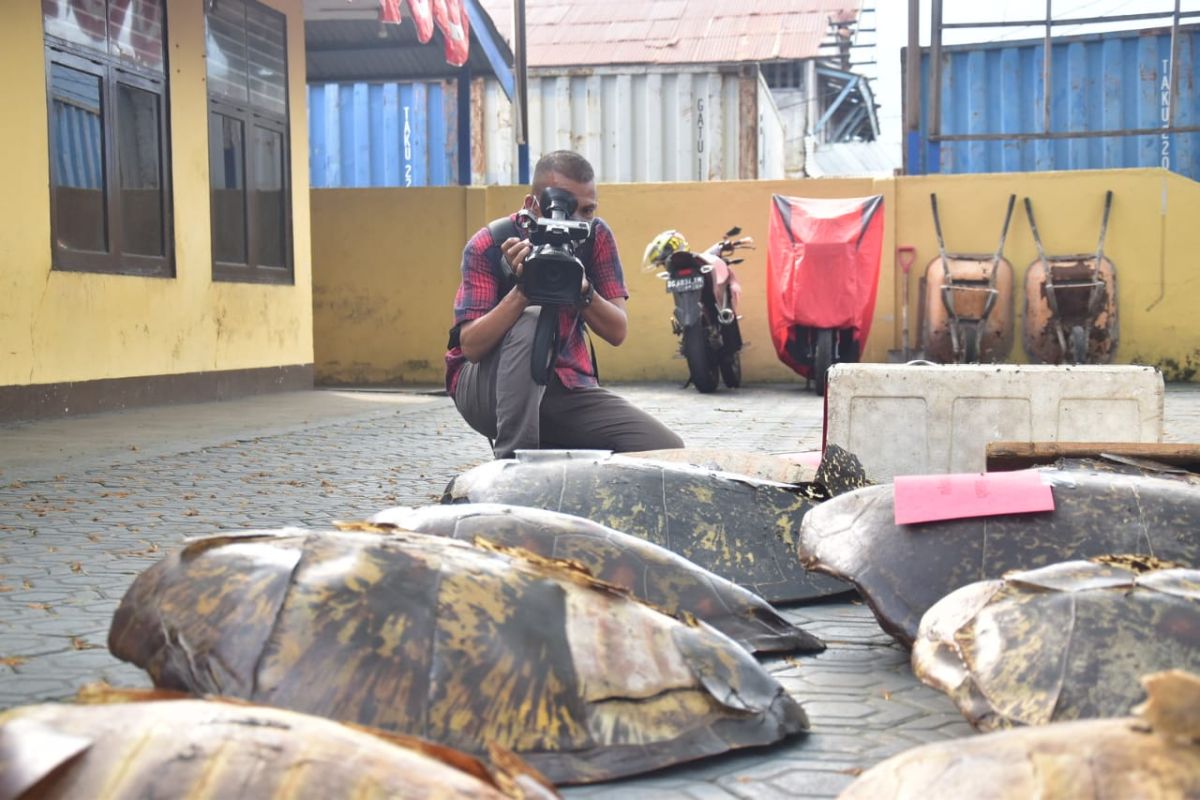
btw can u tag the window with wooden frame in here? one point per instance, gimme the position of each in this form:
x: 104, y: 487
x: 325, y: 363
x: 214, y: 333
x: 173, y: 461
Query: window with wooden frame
x: 110, y: 186
x: 248, y: 142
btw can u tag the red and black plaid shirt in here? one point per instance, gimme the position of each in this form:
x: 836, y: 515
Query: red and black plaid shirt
x: 479, y: 293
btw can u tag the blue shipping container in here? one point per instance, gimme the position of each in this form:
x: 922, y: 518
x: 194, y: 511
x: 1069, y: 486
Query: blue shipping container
x: 1101, y: 82
x: 382, y: 134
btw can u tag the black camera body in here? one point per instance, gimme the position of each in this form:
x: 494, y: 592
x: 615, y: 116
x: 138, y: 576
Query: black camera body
x: 552, y: 274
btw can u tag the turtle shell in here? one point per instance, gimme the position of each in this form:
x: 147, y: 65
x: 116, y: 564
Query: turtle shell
x: 1059, y: 643
x: 1081, y: 760
x: 464, y: 646
x: 792, y: 468
x: 161, y: 744
x: 740, y: 528
x: 651, y: 573
x: 902, y: 570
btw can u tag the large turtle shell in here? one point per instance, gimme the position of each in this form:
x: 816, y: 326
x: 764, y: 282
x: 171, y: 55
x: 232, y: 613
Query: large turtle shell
x: 142, y: 744
x: 740, y: 528
x: 902, y: 570
x: 1087, y: 760
x: 651, y: 573
x: 1059, y: 643
x: 779, y: 467
x: 461, y: 645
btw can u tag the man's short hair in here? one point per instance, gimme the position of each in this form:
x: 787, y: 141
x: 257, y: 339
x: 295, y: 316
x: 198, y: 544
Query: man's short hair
x: 567, y: 163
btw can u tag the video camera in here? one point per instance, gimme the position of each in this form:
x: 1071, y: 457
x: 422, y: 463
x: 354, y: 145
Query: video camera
x: 553, y: 275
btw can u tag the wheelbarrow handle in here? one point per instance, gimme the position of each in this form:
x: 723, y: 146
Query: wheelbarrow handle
x: 1108, y: 198
x: 1037, y: 239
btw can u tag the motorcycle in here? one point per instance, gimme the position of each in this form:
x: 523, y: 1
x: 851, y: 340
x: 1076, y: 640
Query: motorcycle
x: 706, y: 294
x: 822, y: 274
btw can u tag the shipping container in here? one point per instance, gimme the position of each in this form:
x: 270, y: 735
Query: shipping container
x: 1101, y: 83
x: 382, y: 134
x: 651, y: 124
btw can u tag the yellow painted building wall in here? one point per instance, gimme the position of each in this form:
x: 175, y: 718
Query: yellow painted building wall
x: 58, y: 326
x: 386, y: 262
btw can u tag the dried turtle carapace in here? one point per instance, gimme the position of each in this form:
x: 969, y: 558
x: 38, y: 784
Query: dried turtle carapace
x: 651, y: 573
x: 458, y: 644
x: 137, y: 744
x: 902, y: 570
x: 1156, y: 755
x: 734, y: 526
x: 1059, y: 643
x: 794, y: 468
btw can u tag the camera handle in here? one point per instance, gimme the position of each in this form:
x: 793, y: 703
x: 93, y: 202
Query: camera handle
x: 545, y: 345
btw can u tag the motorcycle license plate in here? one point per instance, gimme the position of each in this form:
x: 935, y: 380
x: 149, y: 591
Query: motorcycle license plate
x: 688, y: 284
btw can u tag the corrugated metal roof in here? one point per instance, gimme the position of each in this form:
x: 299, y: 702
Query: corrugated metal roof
x: 585, y: 32
x: 851, y: 159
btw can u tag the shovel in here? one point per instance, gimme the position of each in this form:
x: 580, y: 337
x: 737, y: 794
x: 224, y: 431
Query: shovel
x: 905, y: 256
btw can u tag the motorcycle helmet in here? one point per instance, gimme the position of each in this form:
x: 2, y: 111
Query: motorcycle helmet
x: 661, y: 248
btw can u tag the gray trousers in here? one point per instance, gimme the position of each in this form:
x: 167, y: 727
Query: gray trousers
x: 498, y: 398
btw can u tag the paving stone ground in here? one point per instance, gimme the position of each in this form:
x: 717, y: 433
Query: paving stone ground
x: 87, y: 504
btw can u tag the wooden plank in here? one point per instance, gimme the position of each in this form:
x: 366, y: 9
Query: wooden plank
x: 1003, y: 456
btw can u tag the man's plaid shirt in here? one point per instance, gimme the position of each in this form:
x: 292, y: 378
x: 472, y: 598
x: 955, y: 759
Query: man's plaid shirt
x: 479, y: 293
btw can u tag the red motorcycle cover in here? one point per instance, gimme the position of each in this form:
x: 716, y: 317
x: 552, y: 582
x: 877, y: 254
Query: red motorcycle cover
x: 822, y: 266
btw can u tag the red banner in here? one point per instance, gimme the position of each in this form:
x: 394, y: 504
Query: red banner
x: 451, y: 19
x: 389, y: 12
x: 422, y: 16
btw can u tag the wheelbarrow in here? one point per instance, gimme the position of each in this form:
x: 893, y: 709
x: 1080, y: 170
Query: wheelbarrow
x: 1071, y: 302
x: 968, y: 301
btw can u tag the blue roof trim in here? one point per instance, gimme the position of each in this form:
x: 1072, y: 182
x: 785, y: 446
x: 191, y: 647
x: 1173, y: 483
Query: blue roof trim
x: 493, y: 46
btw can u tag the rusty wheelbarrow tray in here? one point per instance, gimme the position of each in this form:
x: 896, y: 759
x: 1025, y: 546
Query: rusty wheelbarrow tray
x: 968, y: 301
x: 1071, y: 302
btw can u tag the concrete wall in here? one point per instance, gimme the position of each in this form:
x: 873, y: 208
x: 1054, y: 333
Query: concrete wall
x: 386, y: 262
x: 71, y: 326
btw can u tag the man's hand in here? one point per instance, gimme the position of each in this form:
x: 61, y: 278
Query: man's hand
x: 515, y: 251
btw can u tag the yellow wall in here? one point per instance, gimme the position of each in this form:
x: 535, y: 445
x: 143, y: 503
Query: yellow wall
x: 386, y: 262
x: 69, y: 326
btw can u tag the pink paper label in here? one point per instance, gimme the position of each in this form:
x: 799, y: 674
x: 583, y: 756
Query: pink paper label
x: 927, y: 498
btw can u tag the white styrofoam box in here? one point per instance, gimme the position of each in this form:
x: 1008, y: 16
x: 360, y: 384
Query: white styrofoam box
x: 920, y: 419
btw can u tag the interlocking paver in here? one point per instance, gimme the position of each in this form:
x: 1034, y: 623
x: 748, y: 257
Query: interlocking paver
x: 74, y: 535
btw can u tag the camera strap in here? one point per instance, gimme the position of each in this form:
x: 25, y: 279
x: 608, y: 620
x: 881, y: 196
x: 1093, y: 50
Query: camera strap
x: 544, y: 353
x: 501, y: 230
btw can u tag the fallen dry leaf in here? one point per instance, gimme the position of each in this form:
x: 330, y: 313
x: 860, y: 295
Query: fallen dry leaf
x: 82, y: 644
x: 76, y: 567
x: 13, y: 661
